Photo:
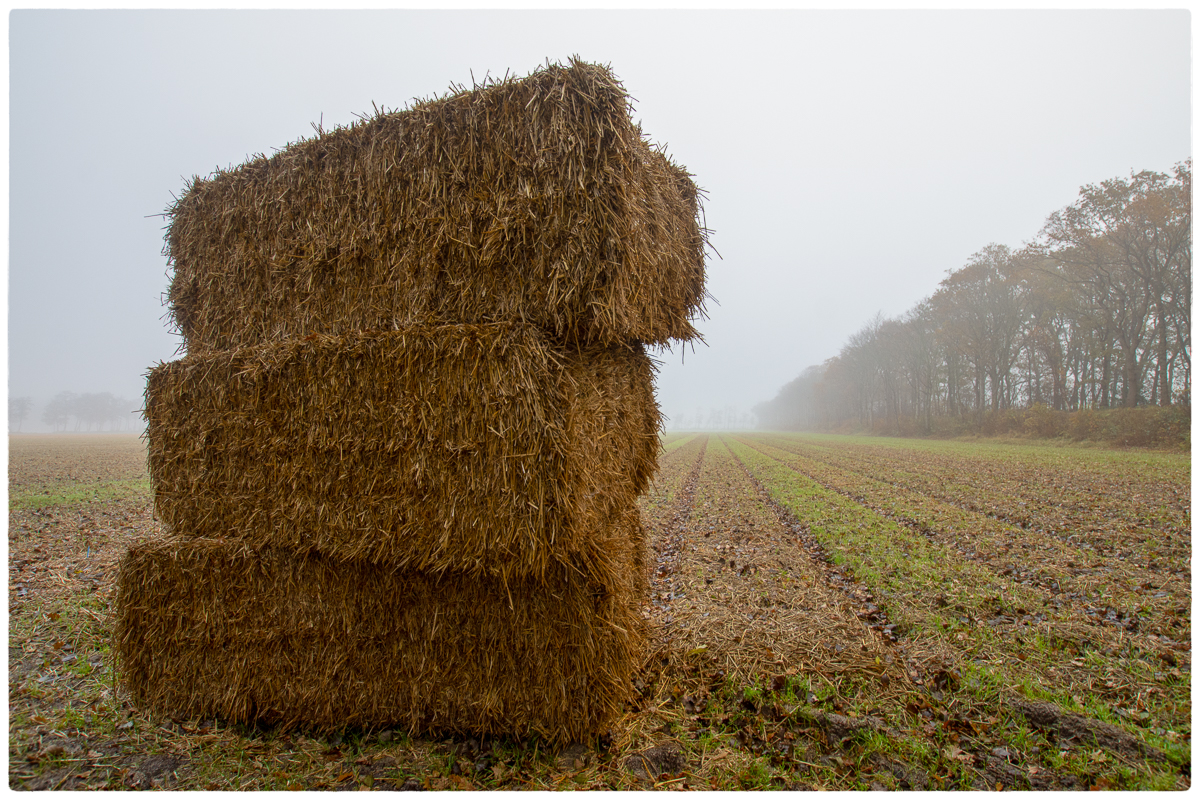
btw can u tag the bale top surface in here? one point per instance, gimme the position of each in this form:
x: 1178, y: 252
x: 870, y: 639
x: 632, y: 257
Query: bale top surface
x: 534, y: 199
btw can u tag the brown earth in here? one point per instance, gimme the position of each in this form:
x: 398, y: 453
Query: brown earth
x: 774, y: 663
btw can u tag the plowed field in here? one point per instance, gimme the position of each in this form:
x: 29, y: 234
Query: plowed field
x: 827, y: 612
x: 990, y: 614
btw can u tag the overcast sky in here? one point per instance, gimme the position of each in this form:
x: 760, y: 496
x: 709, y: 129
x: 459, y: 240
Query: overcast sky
x: 851, y: 158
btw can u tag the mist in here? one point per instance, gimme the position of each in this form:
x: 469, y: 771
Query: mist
x: 850, y: 159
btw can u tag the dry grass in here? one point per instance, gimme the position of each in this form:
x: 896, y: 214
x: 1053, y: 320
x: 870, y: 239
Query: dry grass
x: 211, y: 629
x: 364, y: 524
x: 534, y: 200
x: 414, y: 418
x: 480, y: 449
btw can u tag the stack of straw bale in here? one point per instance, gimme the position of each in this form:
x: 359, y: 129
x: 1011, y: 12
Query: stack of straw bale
x: 399, y: 463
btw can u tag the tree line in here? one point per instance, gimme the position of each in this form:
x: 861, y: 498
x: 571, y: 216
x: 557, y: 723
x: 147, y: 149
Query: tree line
x: 1094, y: 313
x: 77, y: 412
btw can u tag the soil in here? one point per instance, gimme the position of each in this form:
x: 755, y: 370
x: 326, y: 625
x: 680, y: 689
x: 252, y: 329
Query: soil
x: 779, y: 657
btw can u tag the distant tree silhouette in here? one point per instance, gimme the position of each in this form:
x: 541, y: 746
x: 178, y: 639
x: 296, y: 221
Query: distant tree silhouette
x: 18, y: 410
x: 1094, y: 313
x: 89, y: 412
x: 57, y: 413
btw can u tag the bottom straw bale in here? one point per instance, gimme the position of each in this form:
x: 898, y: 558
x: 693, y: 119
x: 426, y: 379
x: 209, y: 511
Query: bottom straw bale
x: 209, y: 628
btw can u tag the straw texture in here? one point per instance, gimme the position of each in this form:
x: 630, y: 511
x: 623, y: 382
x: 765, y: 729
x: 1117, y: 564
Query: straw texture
x: 212, y: 629
x: 476, y: 448
x: 399, y: 462
x: 535, y: 200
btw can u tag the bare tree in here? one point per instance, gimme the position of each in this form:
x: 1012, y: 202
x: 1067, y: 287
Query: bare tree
x: 982, y: 318
x: 18, y: 410
x: 57, y: 413
x: 1126, y: 247
x: 1097, y: 311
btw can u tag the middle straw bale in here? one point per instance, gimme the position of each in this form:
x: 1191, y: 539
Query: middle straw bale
x: 483, y: 449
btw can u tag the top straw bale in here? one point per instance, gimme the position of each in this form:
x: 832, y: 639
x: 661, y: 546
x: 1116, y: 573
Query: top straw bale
x: 533, y: 200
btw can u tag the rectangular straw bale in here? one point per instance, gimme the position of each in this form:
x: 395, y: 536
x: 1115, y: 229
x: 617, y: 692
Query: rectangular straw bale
x: 213, y: 629
x: 475, y: 448
x: 535, y: 200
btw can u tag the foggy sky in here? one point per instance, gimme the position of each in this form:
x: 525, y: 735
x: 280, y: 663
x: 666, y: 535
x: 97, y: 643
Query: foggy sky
x: 851, y: 159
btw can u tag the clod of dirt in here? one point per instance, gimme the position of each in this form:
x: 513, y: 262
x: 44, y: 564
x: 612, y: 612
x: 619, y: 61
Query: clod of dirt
x: 1050, y: 717
x: 575, y: 756
x: 47, y: 753
x: 907, y: 777
x: 411, y: 785
x: 48, y: 781
x: 1001, y: 772
x: 839, y: 728
x: 666, y: 758
x: 149, y: 774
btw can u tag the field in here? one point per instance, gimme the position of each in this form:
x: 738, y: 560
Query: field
x: 827, y: 613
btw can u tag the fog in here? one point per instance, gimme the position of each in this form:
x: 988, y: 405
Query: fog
x: 851, y: 159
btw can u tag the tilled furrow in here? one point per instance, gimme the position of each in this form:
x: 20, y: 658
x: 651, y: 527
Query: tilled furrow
x: 842, y: 579
x: 1039, y: 499
x: 954, y: 599
x: 666, y: 541
x: 1073, y: 579
x: 750, y: 600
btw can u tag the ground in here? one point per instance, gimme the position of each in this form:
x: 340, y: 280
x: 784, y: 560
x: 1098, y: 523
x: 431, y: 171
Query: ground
x: 826, y: 612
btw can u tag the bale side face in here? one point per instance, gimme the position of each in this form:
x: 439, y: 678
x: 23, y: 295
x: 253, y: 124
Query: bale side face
x: 479, y: 449
x: 212, y: 629
x: 533, y: 200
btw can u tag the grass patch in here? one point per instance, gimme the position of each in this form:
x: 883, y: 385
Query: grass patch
x: 74, y: 494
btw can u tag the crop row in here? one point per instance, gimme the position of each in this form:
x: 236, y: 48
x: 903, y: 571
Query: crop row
x: 1007, y: 605
x: 1133, y: 506
x: 1074, y: 576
